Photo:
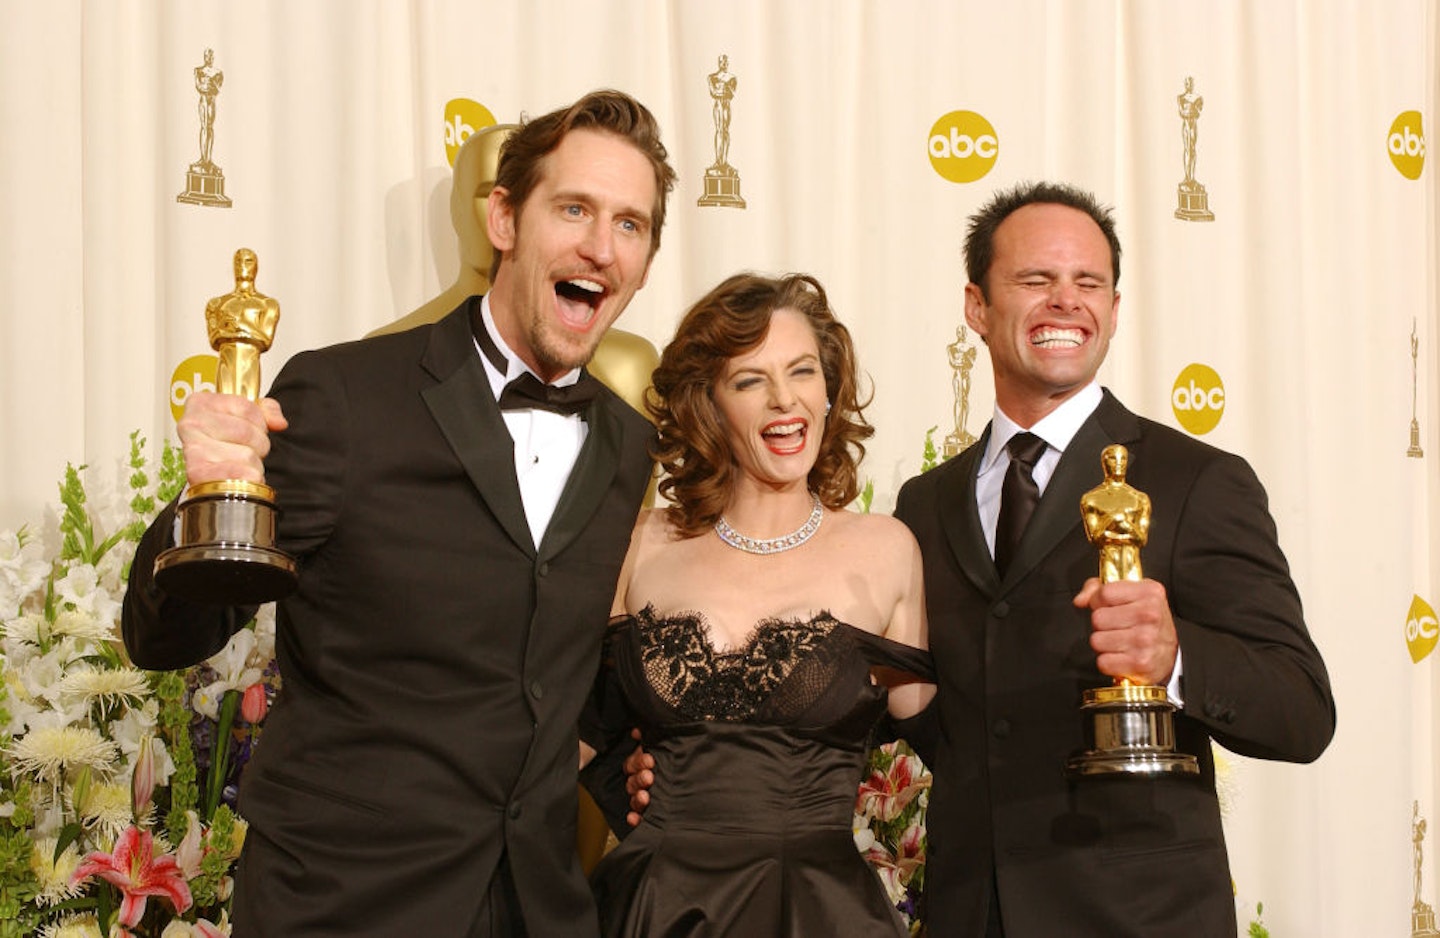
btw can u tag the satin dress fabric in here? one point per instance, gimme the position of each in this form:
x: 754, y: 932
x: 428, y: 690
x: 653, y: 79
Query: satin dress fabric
x: 759, y: 752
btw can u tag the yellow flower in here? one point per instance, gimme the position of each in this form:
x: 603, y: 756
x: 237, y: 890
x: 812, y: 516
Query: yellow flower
x: 106, y: 810
x: 53, y: 750
x: 52, y: 875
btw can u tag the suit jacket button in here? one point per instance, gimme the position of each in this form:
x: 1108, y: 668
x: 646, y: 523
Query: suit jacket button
x: 514, y: 812
x: 536, y: 690
x: 1000, y: 728
x: 544, y: 569
x: 1001, y: 609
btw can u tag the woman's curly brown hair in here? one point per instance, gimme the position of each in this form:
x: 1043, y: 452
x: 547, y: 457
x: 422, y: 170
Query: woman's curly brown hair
x: 730, y: 320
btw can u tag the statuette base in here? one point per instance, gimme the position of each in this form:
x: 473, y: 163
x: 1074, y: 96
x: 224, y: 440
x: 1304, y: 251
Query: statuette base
x: 1194, y: 203
x: 225, y: 552
x: 204, y: 185
x: 1130, y: 730
x: 722, y: 187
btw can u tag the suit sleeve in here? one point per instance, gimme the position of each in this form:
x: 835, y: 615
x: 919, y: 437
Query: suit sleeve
x: 1252, y: 674
x: 306, y: 466
x: 163, y: 632
x: 605, y: 724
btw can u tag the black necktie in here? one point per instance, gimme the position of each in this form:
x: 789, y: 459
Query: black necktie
x: 527, y: 392
x: 1018, y: 495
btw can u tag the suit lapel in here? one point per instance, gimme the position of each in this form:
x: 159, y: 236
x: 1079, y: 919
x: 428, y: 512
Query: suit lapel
x: 464, y: 407
x: 1077, y: 472
x: 594, y: 470
x: 960, y: 518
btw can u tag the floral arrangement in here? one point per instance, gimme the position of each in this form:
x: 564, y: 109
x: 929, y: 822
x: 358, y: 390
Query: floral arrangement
x: 117, y: 785
x: 890, y: 823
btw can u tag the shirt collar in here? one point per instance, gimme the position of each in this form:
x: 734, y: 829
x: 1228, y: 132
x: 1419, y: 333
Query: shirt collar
x: 1056, y: 428
x: 514, y: 367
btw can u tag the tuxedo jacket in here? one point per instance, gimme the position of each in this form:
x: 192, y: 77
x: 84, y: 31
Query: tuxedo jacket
x: 1109, y: 856
x: 434, y: 661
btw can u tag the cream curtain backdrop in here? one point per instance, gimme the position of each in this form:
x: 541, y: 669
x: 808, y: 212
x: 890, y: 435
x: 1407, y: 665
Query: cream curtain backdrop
x: 1302, y: 293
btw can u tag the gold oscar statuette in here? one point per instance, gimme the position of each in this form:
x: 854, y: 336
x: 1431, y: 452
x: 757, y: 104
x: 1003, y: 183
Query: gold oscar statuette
x: 722, y: 181
x: 1422, y: 916
x: 1414, y: 452
x: 962, y: 360
x: 1129, y: 727
x: 1194, y: 200
x: 225, y: 549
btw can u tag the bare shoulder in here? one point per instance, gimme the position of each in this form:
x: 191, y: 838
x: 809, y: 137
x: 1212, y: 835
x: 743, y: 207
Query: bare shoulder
x: 871, y: 532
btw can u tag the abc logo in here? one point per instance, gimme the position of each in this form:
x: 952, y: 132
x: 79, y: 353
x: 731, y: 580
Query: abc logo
x: 196, y: 373
x: 963, y: 146
x: 1421, y: 629
x: 1406, y: 145
x: 462, y: 118
x: 1198, y: 398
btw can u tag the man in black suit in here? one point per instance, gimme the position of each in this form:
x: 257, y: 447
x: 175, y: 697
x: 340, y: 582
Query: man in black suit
x: 1015, y: 848
x: 459, y: 545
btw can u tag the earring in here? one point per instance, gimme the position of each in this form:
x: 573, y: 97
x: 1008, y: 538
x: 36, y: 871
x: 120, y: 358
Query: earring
x: 827, y: 406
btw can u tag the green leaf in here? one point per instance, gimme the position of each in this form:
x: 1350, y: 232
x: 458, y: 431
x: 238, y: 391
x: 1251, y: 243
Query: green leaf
x: 77, y: 535
x: 929, y: 457
x: 69, y: 834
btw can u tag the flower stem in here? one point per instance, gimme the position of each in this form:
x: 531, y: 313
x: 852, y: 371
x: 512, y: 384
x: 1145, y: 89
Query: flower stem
x: 220, y: 757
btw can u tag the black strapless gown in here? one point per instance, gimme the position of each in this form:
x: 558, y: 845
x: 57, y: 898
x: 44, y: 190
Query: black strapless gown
x: 758, y: 753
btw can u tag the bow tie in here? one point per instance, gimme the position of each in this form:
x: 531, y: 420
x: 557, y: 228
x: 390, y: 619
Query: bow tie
x: 527, y: 393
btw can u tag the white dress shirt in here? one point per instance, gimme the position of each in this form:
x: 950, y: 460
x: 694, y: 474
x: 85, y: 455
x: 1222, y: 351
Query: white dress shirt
x: 546, y: 444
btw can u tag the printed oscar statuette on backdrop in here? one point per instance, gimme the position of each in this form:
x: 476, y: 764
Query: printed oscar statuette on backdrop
x: 1129, y: 727
x: 225, y: 549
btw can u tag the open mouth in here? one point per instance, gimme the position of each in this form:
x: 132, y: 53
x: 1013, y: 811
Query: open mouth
x: 1052, y: 338
x: 581, y: 290
x: 785, y: 438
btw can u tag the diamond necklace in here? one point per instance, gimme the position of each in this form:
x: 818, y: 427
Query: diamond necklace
x: 772, y: 545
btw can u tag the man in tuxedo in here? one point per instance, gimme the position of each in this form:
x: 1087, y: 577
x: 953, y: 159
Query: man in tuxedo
x: 459, y: 497
x: 1020, y: 629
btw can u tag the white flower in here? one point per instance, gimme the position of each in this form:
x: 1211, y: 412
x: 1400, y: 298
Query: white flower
x: 239, y: 664
x: 105, y: 686
x: 22, y: 571
x: 50, y: 751
x: 82, y: 625
x: 74, y: 926
x: 80, y: 587
x: 27, y: 629
x: 106, y: 810
x: 54, y: 875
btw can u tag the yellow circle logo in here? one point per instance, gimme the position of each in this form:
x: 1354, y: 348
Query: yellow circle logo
x: 1422, y: 631
x: 196, y: 373
x: 462, y: 118
x: 963, y: 146
x: 1198, y: 398
x: 1406, y: 145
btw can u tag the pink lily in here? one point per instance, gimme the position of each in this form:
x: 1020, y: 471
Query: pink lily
x: 884, y: 795
x: 142, y: 782
x: 135, y: 870
x: 206, y: 929
x: 192, y: 849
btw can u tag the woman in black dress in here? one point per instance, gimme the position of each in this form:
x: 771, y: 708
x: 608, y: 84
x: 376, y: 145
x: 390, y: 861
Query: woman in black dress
x: 760, y: 632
